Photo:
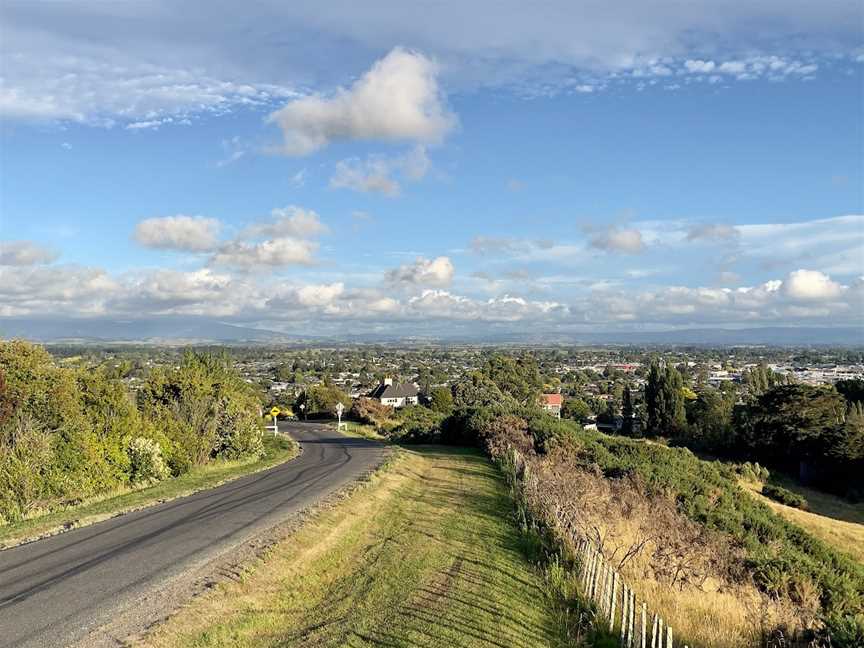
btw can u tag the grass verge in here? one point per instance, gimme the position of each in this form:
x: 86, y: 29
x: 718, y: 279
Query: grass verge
x: 426, y: 555
x: 361, y: 430
x: 276, y: 450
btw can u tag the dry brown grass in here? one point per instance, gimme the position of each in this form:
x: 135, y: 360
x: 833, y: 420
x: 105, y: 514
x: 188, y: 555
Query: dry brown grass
x: 693, y: 578
x: 830, y: 518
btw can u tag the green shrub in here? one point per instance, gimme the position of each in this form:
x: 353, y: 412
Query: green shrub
x: 784, y: 496
x: 145, y: 461
x: 26, y: 475
x: 67, y: 434
x: 752, y: 472
x: 239, y: 434
x: 846, y: 631
x: 418, y: 424
x: 205, y: 408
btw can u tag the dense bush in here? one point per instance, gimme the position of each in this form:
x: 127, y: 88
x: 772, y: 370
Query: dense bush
x: 784, y: 496
x: 320, y: 401
x: 418, y: 424
x: 370, y: 411
x: 813, y: 432
x: 67, y: 434
x: 204, y: 410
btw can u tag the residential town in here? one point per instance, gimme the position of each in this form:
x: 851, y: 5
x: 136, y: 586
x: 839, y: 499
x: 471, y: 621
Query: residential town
x: 583, y: 383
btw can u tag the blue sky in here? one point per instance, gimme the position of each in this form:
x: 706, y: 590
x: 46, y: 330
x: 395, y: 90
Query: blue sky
x: 358, y: 169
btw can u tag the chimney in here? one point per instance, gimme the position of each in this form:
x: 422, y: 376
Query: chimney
x: 388, y: 381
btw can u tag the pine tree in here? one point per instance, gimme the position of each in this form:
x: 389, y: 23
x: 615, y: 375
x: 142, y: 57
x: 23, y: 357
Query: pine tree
x: 652, y: 397
x: 627, y: 412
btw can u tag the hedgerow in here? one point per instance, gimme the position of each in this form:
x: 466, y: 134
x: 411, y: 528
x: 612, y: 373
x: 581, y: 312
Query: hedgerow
x: 67, y: 434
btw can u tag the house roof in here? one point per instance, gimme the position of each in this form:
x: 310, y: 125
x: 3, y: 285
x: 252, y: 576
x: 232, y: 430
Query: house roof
x: 401, y: 390
x: 552, y: 399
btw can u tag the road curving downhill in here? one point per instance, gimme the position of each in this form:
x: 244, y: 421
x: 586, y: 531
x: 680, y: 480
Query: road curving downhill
x: 61, y: 590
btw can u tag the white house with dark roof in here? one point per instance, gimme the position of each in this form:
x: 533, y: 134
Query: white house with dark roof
x: 398, y: 395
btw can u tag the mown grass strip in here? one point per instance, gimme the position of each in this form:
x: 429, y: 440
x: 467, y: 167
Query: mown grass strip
x: 426, y: 555
x: 276, y: 450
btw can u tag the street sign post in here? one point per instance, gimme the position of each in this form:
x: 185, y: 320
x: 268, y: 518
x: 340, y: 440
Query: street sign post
x: 275, y: 414
x: 339, y: 408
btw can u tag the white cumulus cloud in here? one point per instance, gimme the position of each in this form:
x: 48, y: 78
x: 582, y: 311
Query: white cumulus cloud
x: 369, y: 176
x: 812, y: 284
x: 291, y: 221
x: 397, y: 99
x: 272, y: 253
x: 423, y: 272
x: 320, y: 294
x: 25, y: 253
x: 377, y: 173
x: 184, y: 233
x: 626, y: 241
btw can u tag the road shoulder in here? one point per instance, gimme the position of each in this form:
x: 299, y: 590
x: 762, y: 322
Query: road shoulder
x: 129, y: 623
x: 426, y: 555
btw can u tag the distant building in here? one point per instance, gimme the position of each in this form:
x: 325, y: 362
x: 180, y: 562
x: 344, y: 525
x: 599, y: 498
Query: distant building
x: 552, y: 403
x: 396, y: 396
x: 610, y: 427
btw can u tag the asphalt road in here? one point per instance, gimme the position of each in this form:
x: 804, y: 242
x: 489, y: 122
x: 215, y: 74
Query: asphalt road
x: 54, y: 592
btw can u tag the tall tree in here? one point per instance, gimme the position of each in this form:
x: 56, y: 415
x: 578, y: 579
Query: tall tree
x: 847, y: 443
x: 710, y: 419
x: 793, y: 422
x: 852, y: 389
x: 664, y: 400
x: 627, y: 412
x: 441, y: 400
x: 520, y: 378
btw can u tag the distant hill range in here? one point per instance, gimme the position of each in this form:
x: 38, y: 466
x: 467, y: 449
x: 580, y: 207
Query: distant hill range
x: 176, y: 331
x: 773, y: 335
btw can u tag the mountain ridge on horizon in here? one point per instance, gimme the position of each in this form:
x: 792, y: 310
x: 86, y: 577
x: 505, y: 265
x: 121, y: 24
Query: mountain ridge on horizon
x: 200, y: 331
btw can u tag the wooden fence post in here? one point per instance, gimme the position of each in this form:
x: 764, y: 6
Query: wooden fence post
x: 668, y: 637
x: 644, y: 643
x: 654, y: 632
x: 598, y: 569
x: 625, y: 601
x: 585, y: 571
x: 631, y: 638
x: 603, y: 590
x: 598, y: 582
x: 614, y: 601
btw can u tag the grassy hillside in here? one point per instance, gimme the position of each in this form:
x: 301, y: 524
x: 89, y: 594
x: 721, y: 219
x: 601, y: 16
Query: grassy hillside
x: 425, y: 556
x: 782, y: 559
x: 832, y: 519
